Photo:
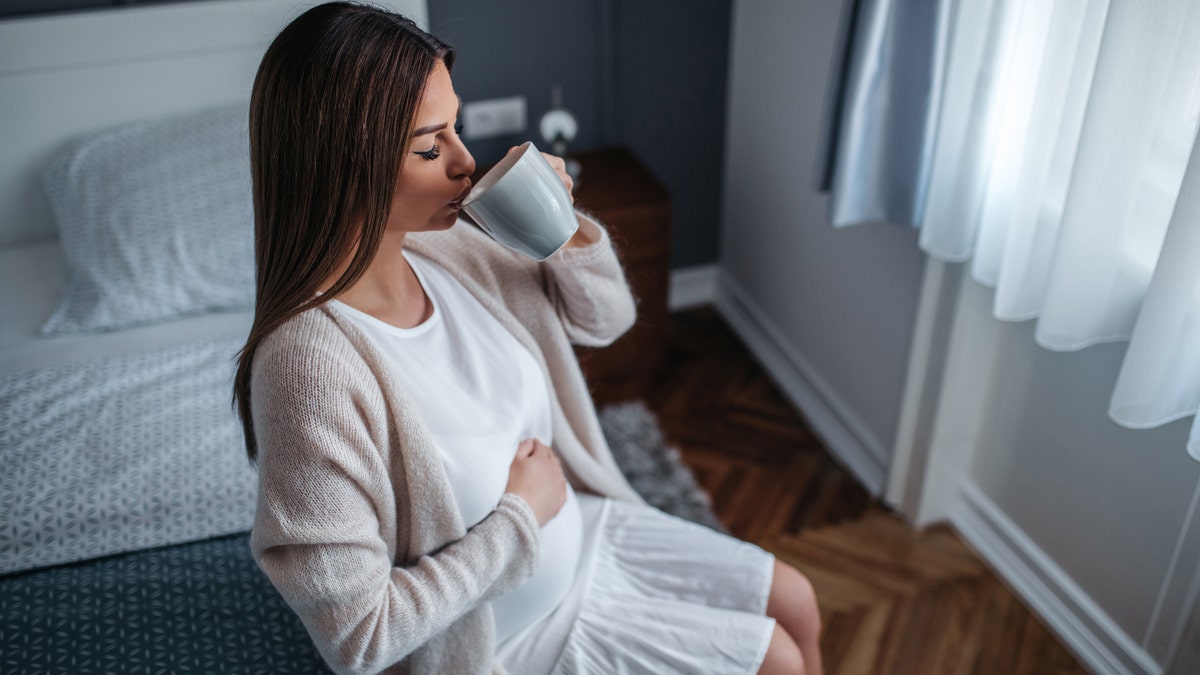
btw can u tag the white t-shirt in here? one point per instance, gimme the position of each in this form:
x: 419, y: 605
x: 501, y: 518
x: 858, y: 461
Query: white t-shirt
x: 480, y: 393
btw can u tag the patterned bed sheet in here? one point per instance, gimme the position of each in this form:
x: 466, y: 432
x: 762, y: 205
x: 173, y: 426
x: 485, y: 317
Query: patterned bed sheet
x: 121, y: 453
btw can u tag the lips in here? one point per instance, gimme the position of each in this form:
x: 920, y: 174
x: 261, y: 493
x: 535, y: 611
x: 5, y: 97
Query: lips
x: 457, y: 203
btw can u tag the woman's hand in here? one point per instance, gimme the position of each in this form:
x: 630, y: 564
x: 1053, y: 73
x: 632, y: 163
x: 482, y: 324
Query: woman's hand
x: 537, y: 477
x: 560, y: 167
x: 582, y: 237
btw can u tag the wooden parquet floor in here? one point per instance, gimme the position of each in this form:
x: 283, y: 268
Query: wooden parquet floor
x: 894, y: 601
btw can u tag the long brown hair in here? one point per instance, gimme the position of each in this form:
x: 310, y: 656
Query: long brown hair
x: 330, y: 116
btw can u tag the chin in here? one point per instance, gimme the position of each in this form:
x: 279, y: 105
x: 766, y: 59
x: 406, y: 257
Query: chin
x: 437, y: 223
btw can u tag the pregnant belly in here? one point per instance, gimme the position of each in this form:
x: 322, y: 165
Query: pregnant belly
x: 562, y: 538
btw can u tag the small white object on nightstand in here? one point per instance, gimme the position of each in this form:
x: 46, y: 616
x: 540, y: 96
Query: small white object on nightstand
x: 558, y: 127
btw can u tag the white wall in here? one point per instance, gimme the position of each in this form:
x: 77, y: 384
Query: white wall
x: 831, y: 311
x: 1110, y: 507
x: 1094, y: 525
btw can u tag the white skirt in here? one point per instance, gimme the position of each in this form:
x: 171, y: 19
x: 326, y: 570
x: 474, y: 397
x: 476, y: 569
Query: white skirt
x: 654, y: 594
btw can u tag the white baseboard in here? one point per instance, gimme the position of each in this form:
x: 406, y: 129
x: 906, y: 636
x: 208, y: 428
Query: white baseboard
x: 844, y: 435
x: 693, y: 287
x: 1095, y: 639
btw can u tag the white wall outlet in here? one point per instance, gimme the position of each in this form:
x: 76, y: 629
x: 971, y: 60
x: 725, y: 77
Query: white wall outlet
x: 493, y: 117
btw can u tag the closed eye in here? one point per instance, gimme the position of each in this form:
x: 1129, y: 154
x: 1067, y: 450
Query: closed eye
x: 430, y: 154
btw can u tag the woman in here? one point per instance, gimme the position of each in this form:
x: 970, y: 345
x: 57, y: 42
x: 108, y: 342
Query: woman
x: 405, y: 380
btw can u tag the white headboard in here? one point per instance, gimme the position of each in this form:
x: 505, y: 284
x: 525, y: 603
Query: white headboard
x: 63, y: 75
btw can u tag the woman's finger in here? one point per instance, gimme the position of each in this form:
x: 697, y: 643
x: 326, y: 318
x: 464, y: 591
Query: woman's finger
x: 560, y: 167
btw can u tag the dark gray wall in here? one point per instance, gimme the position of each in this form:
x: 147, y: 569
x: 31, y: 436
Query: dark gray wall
x: 672, y: 60
x: 647, y: 74
x: 524, y: 48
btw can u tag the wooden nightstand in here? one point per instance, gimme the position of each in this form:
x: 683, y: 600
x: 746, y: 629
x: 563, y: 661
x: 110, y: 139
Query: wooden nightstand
x: 615, y: 187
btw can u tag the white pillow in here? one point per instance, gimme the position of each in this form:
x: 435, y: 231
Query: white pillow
x: 155, y: 220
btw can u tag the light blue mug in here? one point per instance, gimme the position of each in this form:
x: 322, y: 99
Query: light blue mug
x: 522, y: 203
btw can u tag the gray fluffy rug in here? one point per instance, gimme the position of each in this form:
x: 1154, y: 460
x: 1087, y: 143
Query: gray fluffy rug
x: 652, y: 467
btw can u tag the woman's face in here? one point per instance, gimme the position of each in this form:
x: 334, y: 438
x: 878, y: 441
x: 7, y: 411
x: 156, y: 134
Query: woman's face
x: 436, y: 173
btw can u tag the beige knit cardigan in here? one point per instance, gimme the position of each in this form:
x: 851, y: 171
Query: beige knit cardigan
x: 356, y: 524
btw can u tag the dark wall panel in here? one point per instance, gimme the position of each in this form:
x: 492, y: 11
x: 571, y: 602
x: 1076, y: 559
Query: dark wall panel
x: 648, y: 75
x: 525, y: 48
x: 672, y: 60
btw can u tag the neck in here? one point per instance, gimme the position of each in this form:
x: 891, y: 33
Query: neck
x: 389, y: 289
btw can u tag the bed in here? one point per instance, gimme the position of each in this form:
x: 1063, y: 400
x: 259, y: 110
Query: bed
x: 125, y: 292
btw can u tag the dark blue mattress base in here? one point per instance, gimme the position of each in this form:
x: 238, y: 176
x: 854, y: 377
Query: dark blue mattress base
x: 193, y: 608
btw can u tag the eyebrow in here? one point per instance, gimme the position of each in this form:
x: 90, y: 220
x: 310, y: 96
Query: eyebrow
x: 428, y: 130
x: 421, y: 131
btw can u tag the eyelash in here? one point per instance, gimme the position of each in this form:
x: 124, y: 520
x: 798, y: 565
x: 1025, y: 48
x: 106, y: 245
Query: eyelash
x: 436, y: 151
x: 430, y: 154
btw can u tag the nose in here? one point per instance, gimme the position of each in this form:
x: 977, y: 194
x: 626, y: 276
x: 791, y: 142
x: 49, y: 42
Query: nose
x: 463, y: 163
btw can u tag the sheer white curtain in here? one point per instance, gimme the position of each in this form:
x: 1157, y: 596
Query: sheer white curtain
x: 1065, y: 169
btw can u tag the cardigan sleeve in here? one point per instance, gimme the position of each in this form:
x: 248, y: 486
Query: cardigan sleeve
x: 588, y: 288
x: 326, y: 505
